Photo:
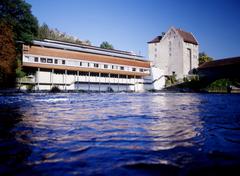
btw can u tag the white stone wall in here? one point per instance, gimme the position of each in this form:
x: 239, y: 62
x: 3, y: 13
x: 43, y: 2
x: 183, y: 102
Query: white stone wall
x: 186, y: 57
x: 175, y: 64
x: 158, y: 54
x: 171, y: 54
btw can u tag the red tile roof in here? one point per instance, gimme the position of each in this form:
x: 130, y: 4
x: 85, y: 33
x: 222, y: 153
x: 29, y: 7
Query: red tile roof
x: 156, y: 39
x: 187, y: 37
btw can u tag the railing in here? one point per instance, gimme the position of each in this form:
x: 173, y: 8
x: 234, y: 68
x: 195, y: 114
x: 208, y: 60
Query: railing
x: 26, y: 80
x: 61, y: 79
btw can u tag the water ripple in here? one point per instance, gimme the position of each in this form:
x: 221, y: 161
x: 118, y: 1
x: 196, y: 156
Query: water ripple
x: 117, y: 134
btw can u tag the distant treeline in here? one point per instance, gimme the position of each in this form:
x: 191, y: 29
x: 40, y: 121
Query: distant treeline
x: 44, y: 32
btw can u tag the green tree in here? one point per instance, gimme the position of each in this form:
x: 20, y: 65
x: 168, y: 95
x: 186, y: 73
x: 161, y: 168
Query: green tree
x: 203, y: 58
x: 19, y: 25
x: 87, y: 42
x: 19, y: 72
x: 106, y: 45
x: 44, y: 32
x: 17, y: 13
x: 7, y: 56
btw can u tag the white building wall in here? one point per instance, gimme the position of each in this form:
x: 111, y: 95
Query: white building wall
x: 158, y: 78
x: 44, y: 77
x: 189, y: 65
x: 48, y: 78
x: 158, y: 54
x: 156, y: 81
x: 175, y: 64
x: 151, y: 52
x: 171, y: 54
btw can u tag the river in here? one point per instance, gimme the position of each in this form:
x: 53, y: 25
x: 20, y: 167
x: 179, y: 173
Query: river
x: 119, y: 134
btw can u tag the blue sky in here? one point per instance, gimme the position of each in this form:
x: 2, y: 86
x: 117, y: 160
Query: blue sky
x: 130, y: 24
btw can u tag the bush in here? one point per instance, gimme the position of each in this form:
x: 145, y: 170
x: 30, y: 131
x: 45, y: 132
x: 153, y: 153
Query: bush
x: 55, y: 89
x: 30, y: 87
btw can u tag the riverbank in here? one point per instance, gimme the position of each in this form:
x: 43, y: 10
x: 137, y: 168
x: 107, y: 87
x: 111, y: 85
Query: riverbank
x: 200, y: 86
x: 165, y: 90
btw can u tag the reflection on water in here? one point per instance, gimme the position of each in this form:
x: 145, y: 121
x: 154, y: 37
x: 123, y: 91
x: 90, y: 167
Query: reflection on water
x: 119, y: 134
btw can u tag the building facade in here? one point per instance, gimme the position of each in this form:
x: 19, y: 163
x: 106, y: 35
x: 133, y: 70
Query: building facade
x: 50, y: 63
x: 174, y: 52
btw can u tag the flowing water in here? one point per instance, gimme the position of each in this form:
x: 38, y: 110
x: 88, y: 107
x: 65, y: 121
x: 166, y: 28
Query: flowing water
x: 120, y: 134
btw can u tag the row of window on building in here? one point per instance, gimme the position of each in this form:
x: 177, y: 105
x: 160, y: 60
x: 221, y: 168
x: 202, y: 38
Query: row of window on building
x: 85, y: 64
x: 92, y: 74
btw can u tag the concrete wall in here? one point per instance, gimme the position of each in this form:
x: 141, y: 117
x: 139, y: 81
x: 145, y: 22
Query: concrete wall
x: 45, y: 79
x: 171, y: 54
x: 156, y: 81
x: 186, y: 57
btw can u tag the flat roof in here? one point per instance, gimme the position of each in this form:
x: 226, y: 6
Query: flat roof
x: 87, y: 49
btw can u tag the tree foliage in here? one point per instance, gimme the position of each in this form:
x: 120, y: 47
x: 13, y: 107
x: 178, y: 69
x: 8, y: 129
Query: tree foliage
x: 19, y: 72
x: 17, y: 24
x: 7, y: 56
x: 203, y: 57
x: 17, y: 14
x: 106, y: 45
x: 44, y: 32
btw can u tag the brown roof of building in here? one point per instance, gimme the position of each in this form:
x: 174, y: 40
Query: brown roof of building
x: 156, y: 39
x: 54, y: 52
x: 187, y: 37
x: 220, y: 62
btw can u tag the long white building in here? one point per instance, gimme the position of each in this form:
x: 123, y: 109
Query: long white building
x: 68, y: 66
x: 174, y: 52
